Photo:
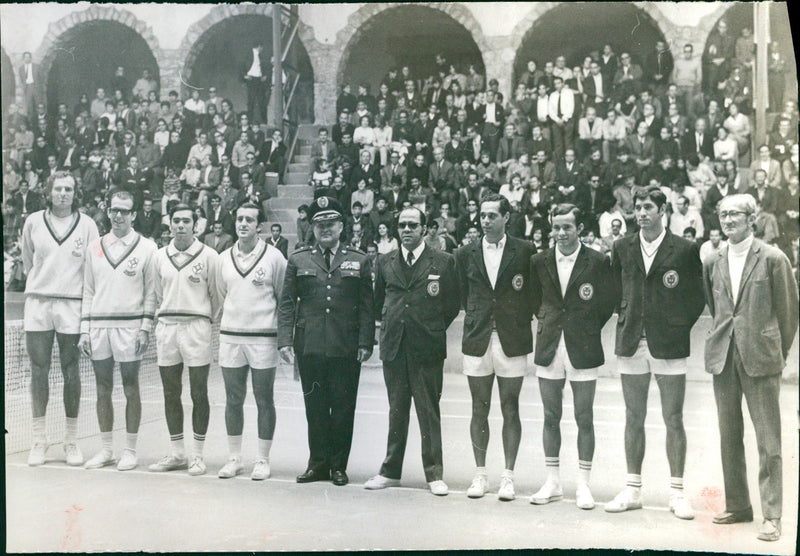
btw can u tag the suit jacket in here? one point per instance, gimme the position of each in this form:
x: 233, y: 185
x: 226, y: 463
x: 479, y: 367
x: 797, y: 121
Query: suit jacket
x: 568, y: 177
x: 762, y: 322
x: 224, y: 216
x: 664, y: 303
x: 387, y: 174
x: 316, y: 150
x: 402, y: 197
x: 580, y: 314
x: 639, y: 151
x: 33, y: 202
x: 591, y: 92
x: 442, y: 178
x: 372, y: 175
x: 219, y: 244
x: 23, y: 75
x: 275, y: 159
x: 148, y: 225
x: 689, y: 144
x: 547, y: 176
x: 415, y: 312
x: 281, y: 245
x: 506, y: 307
x: 774, y: 174
x: 263, y: 62
x: 333, y: 307
x: 517, y: 148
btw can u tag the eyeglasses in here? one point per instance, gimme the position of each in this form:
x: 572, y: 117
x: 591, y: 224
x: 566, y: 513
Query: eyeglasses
x: 731, y: 214
x: 409, y: 225
x: 122, y: 212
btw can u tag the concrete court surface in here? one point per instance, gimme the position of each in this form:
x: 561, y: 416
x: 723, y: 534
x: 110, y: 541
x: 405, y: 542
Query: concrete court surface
x: 57, y: 508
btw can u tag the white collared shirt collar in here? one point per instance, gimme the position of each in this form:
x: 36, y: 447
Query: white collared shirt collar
x: 494, y: 246
x: 126, y: 240
x: 571, y: 258
x: 417, y: 252
x: 655, y: 244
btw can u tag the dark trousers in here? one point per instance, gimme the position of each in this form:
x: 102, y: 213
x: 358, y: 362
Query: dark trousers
x: 763, y: 401
x: 330, y: 387
x: 405, y: 379
x: 563, y: 135
x: 257, y: 99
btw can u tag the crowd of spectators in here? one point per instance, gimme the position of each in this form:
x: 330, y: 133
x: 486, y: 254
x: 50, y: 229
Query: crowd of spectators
x: 586, y: 135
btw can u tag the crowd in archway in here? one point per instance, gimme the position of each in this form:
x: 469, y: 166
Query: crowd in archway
x: 586, y: 135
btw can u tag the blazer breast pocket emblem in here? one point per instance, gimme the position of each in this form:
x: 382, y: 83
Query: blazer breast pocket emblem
x: 671, y: 279
x: 586, y: 291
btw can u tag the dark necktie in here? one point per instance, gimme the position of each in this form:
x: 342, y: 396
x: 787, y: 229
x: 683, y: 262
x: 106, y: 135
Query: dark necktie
x: 559, y: 114
x: 328, y: 258
x: 410, y: 258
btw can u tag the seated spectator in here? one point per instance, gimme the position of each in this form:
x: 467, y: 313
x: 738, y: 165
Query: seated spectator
x: 616, y: 230
x: 148, y: 221
x: 590, y: 133
x: 738, y: 128
x: 364, y: 135
x: 273, y: 154
x: 383, y: 138
x: 725, y: 148
x: 386, y: 243
x: 765, y: 226
x: 514, y: 190
x: 700, y: 174
x: 711, y: 248
x: 685, y: 216
x: 690, y: 234
x: 363, y: 196
x: 590, y: 240
x: 771, y: 166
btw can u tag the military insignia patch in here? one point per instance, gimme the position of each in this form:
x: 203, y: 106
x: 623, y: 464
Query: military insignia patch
x: 671, y: 279
x: 349, y: 265
x: 586, y: 291
x: 322, y: 202
x: 433, y: 288
x: 517, y: 282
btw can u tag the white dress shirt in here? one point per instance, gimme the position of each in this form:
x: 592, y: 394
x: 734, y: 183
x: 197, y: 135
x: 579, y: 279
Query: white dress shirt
x: 491, y: 116
x: 417, y: 253
x: 255, y: 68
x: 649, y: 249
x: 492, y: 255
x: 737, y: 255
x: 29, y: 74
x: 564, y: 265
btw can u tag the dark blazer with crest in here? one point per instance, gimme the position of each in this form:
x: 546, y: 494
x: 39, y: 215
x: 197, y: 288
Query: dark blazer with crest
x: 506, y: 307
x: 580, y: 314
x: 416, y: 312
x: 664, y: 303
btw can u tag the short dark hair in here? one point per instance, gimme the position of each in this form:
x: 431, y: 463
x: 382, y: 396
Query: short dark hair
x: 505, y: 206
x: 180, y: 207
x: 251, y: 205
x: 357, y: 204
x: 563, y: 209
x: 274, y: 224
x: 653, y: 193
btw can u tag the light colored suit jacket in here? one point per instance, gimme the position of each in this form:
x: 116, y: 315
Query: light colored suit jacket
x: 763, y: 321
x: 774, y: 175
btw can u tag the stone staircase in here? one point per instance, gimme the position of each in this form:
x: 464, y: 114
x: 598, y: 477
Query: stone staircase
x: 295, y: 190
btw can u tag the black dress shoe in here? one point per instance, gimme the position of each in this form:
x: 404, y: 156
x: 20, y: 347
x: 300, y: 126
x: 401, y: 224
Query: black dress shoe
x: 728, y: 518
x: 339, y: 478
x: 313, y: 475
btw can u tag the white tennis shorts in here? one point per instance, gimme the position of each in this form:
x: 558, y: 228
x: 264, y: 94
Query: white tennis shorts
x: 494, y: 361
x: 43, y: 314
x: 642, y: 363
x: 185, y: 342
x: 560, y: 367
x: 119, y: 343
x: 263, y: 355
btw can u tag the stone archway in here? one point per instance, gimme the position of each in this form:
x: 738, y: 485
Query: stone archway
x: 108, y: 20
x: 197, y: 50
x: 358, y: 26
x: 9, y: 79
x: 643, y: 23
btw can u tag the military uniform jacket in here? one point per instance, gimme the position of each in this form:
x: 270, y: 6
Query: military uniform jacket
x: 580, y: 314
x: 325, y: 312
x: 415, y: 313
x: 506, y: 307
x: 665, y: 303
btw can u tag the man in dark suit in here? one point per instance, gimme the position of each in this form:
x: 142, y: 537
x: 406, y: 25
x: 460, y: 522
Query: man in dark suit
x: 134, y: 180
x: 752, y: 297
x: 544, y: 169
x: 495, y: 288
x: 366, y: 170
x: 217, y: 239
x: 642, y: 148
x: 278, y: 241
x: 573, y: 298
x: 442, y: 178
x: 342, y: 127
x: 256, y: 73
x: 327, y: 300
x: 25, y: 201
x: 394, y: 168
x: 29, y: 78
x: 416, y: 294
x: 147, y: 221
x: 219, y: 212
x: 491, y: 118
x: 699, y: 141
x: 273, y: 154
x: 658, y: 282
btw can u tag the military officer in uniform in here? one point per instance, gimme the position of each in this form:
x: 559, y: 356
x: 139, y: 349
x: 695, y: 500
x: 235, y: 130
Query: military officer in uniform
x: 326, y: 319
x: 494, y: 283
x: 416, y: 296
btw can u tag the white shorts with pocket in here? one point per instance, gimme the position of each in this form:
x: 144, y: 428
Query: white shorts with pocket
x: 263, y: 355
x: 561, y: 367
x: 184, y: 342
x: 494, y: 361
x: 119, y: 343
x: 642, y: 363
x: 43, y: 314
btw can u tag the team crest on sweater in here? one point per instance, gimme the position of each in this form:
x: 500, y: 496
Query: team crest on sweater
x: 77, y: 247
x: 259, y: 277
x: 133, y: 263
x: 197, y: 268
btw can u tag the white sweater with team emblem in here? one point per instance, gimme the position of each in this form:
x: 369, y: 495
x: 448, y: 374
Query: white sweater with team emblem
x: 55, y: 265
x: 250, y: 294
x: 119, y: 293
x: 186, y: 283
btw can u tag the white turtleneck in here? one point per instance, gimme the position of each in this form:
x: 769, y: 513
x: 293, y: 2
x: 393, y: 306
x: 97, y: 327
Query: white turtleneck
x: 737, y: 255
